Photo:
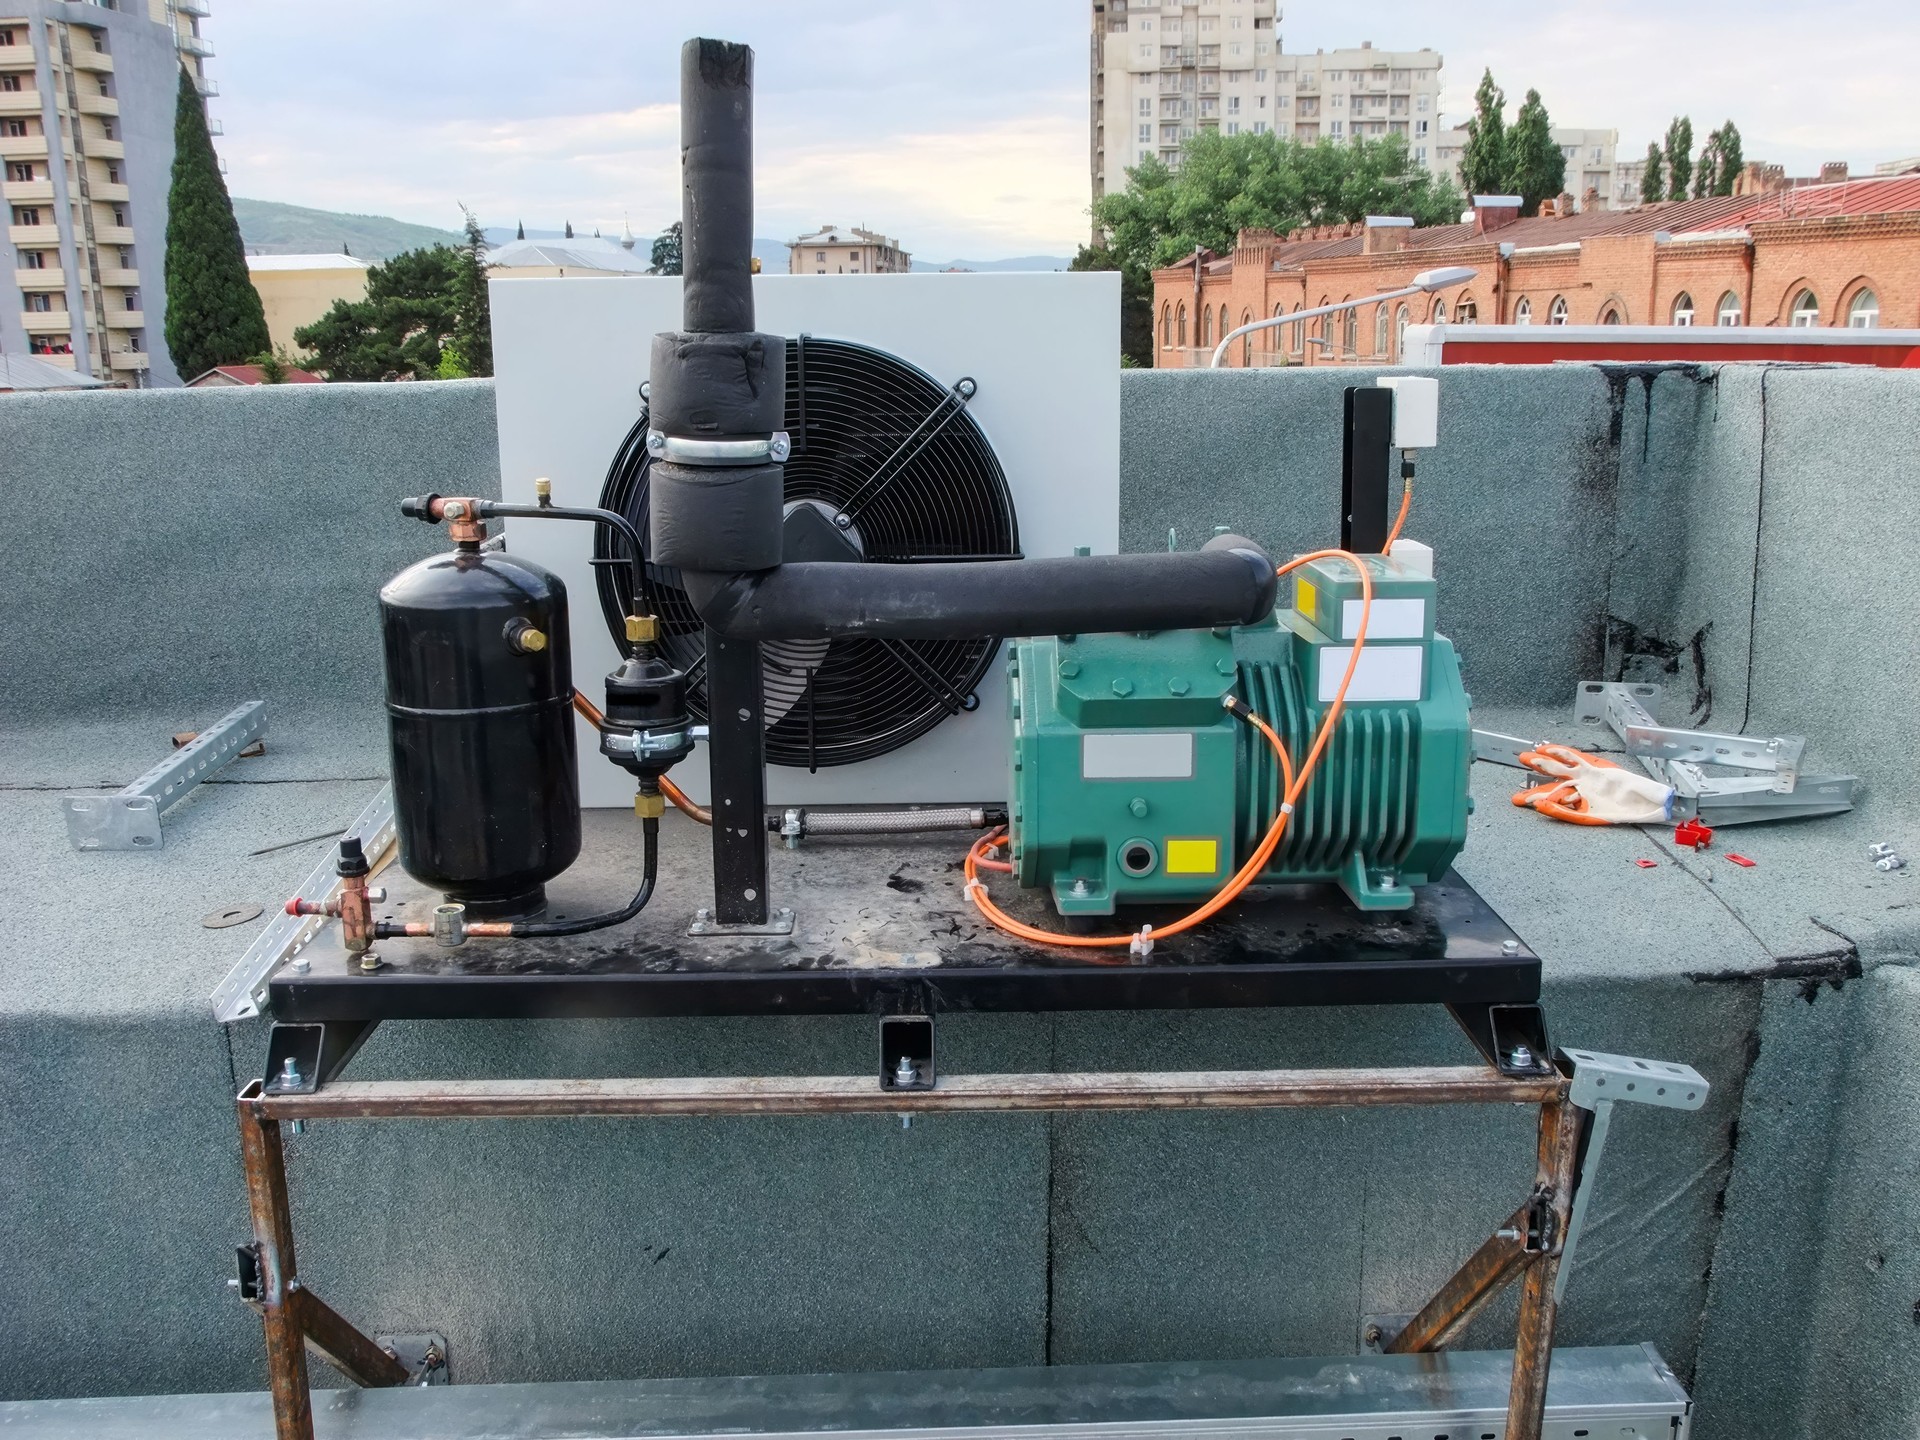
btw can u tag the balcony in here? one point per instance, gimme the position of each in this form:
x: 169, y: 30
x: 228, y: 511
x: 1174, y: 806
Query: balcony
x: 23, y: 147
x: 102, y: 148
x: 117, y: 279
x: 113, y: 234
x: 215, y: 127
x: 99, y: 105
x: 198, y: 8
x: 49, y: 322
x: 207, y: 88
x: 24, y: 192
x: 130, y: 360
x: 126, y: 319
x: 98, y: 61
x: 195, y: 45
x: 42, y: 237
x: 59, y: 362
x: 109, y: 190
x: 19, y: 102
x: 32, y: 280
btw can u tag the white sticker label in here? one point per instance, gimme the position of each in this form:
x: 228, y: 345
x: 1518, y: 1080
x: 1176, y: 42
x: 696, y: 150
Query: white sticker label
x: 1403, y: 619
x: 1137, y: 757
x: 1388, y: 672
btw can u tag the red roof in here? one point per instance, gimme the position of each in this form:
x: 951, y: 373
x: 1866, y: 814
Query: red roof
x: 1881, y: 195
x: 253, y: 375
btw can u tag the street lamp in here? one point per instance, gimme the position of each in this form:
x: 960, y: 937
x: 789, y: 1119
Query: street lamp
x: 1425, y: 282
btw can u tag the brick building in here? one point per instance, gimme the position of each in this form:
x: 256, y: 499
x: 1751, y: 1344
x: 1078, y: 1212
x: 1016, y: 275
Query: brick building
x: 1836, y: 254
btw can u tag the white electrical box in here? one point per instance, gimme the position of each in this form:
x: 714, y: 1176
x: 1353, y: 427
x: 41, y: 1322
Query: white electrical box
x: 1416, y: 410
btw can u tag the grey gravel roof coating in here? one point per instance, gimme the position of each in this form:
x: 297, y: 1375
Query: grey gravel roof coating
x: 197, y: 548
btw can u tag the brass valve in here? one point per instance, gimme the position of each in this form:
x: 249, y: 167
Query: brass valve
x: 543, y: 492
x: 526, y: 639
x: 642, y: 629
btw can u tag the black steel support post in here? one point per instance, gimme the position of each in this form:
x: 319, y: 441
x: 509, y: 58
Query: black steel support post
x: 1366, y: 461
x: 737, y: 758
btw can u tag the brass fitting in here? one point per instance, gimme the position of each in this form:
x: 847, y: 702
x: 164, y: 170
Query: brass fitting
x: 464, y: 525
x: 649, y: 807
x: 642, y: 629
x: 524, y: 638
x: 543, y: 492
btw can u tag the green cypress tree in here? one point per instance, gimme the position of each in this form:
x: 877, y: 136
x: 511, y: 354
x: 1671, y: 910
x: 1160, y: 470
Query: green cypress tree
x: 214, y: 315
x: 1653, y: 183
x: 473, y: 317
x: 1706, y: 170
x: 1679, y: 157
x: 1484, y: 167
x: 1732, y: 158
x: 1536, y: 166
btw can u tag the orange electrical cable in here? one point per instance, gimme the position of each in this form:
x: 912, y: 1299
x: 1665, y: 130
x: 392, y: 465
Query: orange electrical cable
x: 1292, y: 787
x: 1406, y: 504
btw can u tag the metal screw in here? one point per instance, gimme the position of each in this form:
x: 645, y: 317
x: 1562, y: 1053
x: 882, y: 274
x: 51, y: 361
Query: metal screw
x: 290, y: 1072
x: 1509, y: 947
x: 1387, y: 882
x: 906, y: 1072
x: 296, y: 1127
x: 1520, y: 1058
x: 906, y: 1122
x: 1374, y: 1334
x: 1080, y: 887
x: 302, y: 963
x: 966, y: 387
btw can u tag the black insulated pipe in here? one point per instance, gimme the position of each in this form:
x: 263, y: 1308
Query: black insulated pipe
x: 1072, y: 595
x: 716, y: 186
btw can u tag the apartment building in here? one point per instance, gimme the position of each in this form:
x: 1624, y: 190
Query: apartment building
x: 846, y: 250
x: 1590, y: 156
x: 87, y: 94
x: 1162, y: 73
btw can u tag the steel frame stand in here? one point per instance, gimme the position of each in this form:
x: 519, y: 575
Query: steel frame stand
x: 1531, y: 1245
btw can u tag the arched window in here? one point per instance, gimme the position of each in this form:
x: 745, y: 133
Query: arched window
x: 1683, y: 309
x: 1224, y: 326
x: 1206, y: 327
x: 1350, y: 333
x: 1557, y: 312
x: 1382, y: 326
x: 1166, y: 326
x: 1246, y: 341
x: 1465, y: 310
x: 1863, y: 311
x: 1611, y: 316
x: 1181, y: 319
x: 1806, y: 311
x: 1523, y: 312
x: 1439, y: 312
x: 1402, y: 318
x: 1727, y: 312
x: 1326, y: 333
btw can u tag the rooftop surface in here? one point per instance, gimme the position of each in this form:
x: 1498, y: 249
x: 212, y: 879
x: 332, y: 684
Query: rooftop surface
x: 1733, y: 534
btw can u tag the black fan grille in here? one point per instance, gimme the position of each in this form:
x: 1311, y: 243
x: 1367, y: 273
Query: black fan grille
x: 885, y: 442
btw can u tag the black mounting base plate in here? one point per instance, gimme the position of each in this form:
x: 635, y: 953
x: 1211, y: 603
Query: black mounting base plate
x: 884, y: 927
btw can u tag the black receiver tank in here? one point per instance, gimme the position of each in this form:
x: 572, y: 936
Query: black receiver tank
x: 479, y: 702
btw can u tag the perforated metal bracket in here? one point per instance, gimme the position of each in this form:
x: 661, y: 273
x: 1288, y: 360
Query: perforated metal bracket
x: 1599, y: 1082
x: 129, y: 819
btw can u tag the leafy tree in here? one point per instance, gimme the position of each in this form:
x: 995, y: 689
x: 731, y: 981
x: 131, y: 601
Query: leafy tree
x: 273, y: 367
x: 1733, y: 158
x: 214, y: 315
x: 1679, y: 157
x: 1484, y: 167
x: 1227, y: 183
x: 1706, y: 170
x: 665, y: 259
x: 473, y: 331
x: 1536, y: 166
x: 1136, y: 301
x: 409, y: 315
x: 1653, y: 183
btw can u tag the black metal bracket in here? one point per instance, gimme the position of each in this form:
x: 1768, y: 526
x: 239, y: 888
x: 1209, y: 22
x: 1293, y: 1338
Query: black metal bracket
x: 1512, y: 1038
x: 737, y: 758
x: 906, y: 1052
x: 1366, y: 457
x: 317, y: 1053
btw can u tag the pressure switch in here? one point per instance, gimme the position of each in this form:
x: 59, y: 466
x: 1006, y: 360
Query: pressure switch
x: 1416, y: 410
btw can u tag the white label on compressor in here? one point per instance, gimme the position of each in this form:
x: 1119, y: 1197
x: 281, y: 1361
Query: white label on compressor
x: 1388, y: 672
x: 1137, y: 757
x: 1401, y: 619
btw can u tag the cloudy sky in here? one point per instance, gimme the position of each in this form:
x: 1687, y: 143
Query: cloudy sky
x: 959, y: 127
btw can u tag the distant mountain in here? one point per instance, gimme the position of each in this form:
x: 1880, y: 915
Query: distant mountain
x: 1019, y: 262
x: 270, y: 228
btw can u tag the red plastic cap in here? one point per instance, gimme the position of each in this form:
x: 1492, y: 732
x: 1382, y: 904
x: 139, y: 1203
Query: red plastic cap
x: 1742, y: 861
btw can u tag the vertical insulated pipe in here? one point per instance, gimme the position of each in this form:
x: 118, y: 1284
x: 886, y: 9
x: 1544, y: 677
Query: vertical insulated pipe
x: 716, y: 186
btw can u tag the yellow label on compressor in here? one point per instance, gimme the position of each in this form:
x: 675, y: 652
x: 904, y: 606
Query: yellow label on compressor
x: 1193, y: 857
x: 1305, y: 597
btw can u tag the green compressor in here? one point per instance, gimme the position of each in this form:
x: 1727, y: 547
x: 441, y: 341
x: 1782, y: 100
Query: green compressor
x: 1133, y: 784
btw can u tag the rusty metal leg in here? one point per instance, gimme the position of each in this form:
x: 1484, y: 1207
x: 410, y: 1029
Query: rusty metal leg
x: 336, y: 1341
x: 266, y: 1170
x: 1561, y: 1125
x: 1484, y: 1275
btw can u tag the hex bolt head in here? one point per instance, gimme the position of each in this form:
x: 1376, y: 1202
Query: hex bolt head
x: 1509, y: 947
x: 1080, y: 887
x: 290, y: 1071
x: 1520, y: 1057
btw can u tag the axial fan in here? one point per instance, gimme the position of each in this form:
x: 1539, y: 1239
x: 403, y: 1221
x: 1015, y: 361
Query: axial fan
x: 886, y: 467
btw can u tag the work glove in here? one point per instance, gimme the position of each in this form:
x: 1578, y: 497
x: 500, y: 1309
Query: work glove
x: 1592, y: 790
